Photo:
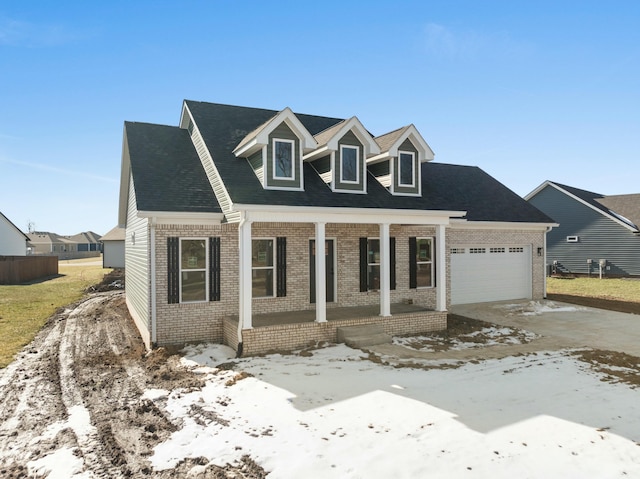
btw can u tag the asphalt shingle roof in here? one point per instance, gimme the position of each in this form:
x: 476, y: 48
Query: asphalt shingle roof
x: 168, y: 175
x: 167, y: 172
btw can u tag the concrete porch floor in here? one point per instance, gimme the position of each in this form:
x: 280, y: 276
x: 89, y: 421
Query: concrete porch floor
x: 333, y: 314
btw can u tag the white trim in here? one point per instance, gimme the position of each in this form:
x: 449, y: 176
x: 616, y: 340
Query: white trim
x: 370, y: 147
x: 425, y: 153
x: 152, y: 268
x: 498, y: 225
x: 261, y: 137
x: 357, y: 150
x: 413, y: 169
x: 580, y: 200
x: 321, y: 273
x: 183, y: 218
x: 244, y: 276
x: 441, y: 268
x: 274, y: 169
x: 385, y: 271
x: 310, y: 214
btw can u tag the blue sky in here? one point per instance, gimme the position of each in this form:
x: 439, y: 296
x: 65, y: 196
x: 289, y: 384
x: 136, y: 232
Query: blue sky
x: 527, y: 91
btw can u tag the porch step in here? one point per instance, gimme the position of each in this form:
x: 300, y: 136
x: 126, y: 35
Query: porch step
x: 361, y: 336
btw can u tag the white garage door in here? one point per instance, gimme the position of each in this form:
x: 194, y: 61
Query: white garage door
x: 490, y: 273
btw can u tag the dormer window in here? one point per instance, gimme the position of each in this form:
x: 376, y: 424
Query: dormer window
x: 406, y: 164
x: 349, y: 164
x: 283, y: 154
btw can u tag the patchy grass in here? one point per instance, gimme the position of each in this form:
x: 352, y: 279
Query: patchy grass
x: 24, y: 308
x: 609, y: 288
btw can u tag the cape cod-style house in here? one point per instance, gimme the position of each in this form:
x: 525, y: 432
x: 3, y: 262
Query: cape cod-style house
x: 266, y: 230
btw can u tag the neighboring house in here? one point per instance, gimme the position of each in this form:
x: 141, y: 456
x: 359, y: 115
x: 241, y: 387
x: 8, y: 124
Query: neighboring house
x: 113, y: 248
x: 44, y: 242
x: 81, y: 245
x: 13, y: 242
x: 266, y: 230
x: 86, y: 241
x: 593, y: 227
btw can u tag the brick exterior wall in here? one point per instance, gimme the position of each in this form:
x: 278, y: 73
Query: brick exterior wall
x: 294, y: 336
x: 196, y: 322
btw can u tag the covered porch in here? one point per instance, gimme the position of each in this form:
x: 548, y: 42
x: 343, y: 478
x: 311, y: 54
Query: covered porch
x: 289, y: 330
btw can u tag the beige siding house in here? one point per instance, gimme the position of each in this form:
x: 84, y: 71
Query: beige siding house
x: 267, y: 230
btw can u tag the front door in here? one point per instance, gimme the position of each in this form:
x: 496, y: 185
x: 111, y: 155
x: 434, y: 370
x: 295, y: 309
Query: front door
x: 329, y: 254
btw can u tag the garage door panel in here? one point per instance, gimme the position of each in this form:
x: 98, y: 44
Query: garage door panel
x: 490, y: 273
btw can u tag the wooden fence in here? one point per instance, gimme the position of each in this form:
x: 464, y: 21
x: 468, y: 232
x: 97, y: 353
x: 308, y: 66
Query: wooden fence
x: 20, y: 269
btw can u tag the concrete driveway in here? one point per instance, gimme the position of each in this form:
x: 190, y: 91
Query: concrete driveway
x: 561, y: 324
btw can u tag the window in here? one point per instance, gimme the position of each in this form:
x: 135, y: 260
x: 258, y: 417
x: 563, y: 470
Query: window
x: 405, y: 162
x: 456, y: 251
x: 373, y: 264
x: 193, y: 270
x: 497, y: 250
x: 516, y: 249
x: 349, y: 167
x: 370, y: 264
x: 477, y: 250
x: 283, y: 158
x: 424, y: 262
x: 262, y: 267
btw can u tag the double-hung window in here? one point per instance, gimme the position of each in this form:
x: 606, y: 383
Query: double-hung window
x: 406, y: 163
x: 349, y: 164
x: 193, y: 270
x: 424, y: 262
x: 283, y: 159
x: 262, y: 267
x: 373, y: 264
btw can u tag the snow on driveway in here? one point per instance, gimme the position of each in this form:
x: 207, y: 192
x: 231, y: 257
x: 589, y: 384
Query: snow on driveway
x: 335, y: 413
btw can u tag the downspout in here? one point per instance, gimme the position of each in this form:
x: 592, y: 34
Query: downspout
x: 240, y: 225
x: 544, y: 245
x: 152, y: 229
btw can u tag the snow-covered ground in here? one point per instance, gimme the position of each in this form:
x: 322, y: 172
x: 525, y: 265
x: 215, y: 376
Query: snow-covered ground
x: 489, y: 336
x: 536, y: 308
x: 337, y: 414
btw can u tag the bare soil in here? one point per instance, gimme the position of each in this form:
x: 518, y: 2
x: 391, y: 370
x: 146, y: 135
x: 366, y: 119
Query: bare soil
x: 90, y: 356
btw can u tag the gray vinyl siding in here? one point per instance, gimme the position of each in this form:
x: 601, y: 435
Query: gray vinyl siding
x: 349, y: 139
x: 212, y: 173
x: 599, y: 237
x: 257, y: 164
x: 137, y: 284
x: 283, y: 132
x: 406, y: 146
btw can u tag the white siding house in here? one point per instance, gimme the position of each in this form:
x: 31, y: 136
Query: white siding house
x: 13, y: 242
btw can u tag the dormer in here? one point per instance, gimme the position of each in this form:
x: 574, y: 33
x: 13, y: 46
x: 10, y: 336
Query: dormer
x: 397, y: 167
x: 275, y: 150
x: 341, y: 155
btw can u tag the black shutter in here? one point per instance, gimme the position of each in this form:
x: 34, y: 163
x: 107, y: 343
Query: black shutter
x: 363, y: 265
x: 173, y: 270
x: 214, y: 269
x: 392, y: 262
x: 413, y: 267
x: 281, y: 266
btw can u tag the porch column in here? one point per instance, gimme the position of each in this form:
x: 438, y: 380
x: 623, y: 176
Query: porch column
x: 321, y: 275
x: 385, y: 271
x: 441, y: 269
x: 244, y: 273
